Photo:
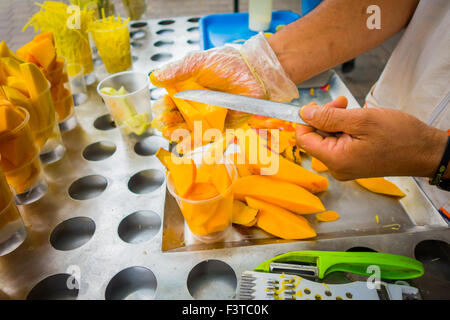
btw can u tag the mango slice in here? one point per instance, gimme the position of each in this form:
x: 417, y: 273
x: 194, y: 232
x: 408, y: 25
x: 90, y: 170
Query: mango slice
x: 220, y: 177
x: 17, y: 83
x: 214, y: 115
x: 284, y: 194
x: 203, y: 174
x: 182, y: 170
x: 381, y: 185
x: 5, y: 52
x: 202, y: 191
x: 318, y: 165
x: 17, y: 98
x: 243, y: 214
x: 240, y: 163
x: 292, y: 153
x: 9, y: 119
x: 327, y: 216
x: 268, y: 163
x: 11, y: 66
x: 280, y: 222
x: 44, y: 52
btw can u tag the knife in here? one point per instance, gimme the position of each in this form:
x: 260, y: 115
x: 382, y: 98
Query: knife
x: 236, y: 102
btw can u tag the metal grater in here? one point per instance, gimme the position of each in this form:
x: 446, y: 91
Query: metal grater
x: 271, y: 286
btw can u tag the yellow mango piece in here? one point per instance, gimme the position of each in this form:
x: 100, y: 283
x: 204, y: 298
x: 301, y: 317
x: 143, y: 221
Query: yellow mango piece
x: 203, y: 175
x: 9, y: 118
x: 18, y: 99
x: 318, y: 165
x: 171, y: 132
x: 17, y: 83
x: 214, y: 154
x: 3, y: 75
x: 265, y: 162
x: 284, y: 194
x: 381, y: 185
x: 182, y: 171
x: 203, y: 191
x: 327, y: 216
x: 40, y: 99
x: 214, y: 115
x: 243, y: 214
x: 11, y: 67
x: 280, y: 222
x: 34, y: 78
x: 292, y: 153
x: 189, y: 113
x: 220, y: 177
x: 44, y: 36
x: 44, y: 52
x: 5, y: 52
x: 240, y: 163
x: 24, y: 52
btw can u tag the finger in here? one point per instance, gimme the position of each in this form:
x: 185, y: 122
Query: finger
x: 339, y: 102
x: 301, y: 129
x: 327, y: 149
x: 178, y: 71
x: 331, y: 119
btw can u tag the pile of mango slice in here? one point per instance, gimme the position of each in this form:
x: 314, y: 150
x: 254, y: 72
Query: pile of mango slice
x: 273, y: 200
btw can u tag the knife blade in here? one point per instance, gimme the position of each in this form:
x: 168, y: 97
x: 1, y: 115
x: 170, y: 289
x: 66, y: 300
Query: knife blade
x: 236, y: 102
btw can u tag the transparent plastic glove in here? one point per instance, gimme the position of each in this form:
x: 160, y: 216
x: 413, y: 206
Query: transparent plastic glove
x: 168, y: 119
x: 253, y: 70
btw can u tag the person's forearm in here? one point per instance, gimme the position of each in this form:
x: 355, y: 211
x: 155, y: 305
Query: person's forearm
x: 335, y: 32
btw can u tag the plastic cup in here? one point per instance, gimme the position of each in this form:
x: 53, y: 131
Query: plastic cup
x: 259, y: 15
x: 64, y: 106
x: 67, y: 104
x: 20, y: 162
x: 53, y: 150
x: 77, y: 83
x: 135, y: 8
x: 131, y: 112
x: 42, y: 129
x: 114, y: 47
x: 12, y: 229
x: 208, y: 220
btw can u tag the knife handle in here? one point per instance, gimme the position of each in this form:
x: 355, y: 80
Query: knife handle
x: 391, y: 266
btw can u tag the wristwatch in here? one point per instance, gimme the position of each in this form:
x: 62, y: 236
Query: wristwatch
x: 437, y: 180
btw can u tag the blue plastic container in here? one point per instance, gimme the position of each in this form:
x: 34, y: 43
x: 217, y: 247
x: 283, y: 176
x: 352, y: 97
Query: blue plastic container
x: 219, y: 29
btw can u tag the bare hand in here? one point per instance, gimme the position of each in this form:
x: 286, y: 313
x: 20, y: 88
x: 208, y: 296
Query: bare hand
x: 370, y: 142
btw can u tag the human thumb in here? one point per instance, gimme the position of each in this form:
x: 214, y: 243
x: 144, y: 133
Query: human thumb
x: 326, y: 118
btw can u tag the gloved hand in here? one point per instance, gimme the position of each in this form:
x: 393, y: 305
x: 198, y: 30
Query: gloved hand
x: 252, y: 70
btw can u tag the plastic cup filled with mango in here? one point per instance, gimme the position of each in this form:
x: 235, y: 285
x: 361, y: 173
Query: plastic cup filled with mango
x: 41, y: 51
x: 20, y: 159
x: 54, y: 150
x: 112, y: 38
x: 61, y: 94
x: 202, y: 186
x: 28, y: 88
x: 127, y: 96
x: 12, y: 229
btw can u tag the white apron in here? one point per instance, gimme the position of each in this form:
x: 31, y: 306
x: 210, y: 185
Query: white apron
x: 416, y: 78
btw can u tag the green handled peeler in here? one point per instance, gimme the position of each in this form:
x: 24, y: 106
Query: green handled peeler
x: 318, y: 264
